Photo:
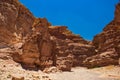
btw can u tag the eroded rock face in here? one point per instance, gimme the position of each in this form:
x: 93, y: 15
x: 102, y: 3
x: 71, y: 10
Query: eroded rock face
x: 27, y: 36
x: 117, y: 12
x: 107, y: 44
x: 13, y: 19
x: 102, y: 59
x: 71, y: 50
x: 37, y: 50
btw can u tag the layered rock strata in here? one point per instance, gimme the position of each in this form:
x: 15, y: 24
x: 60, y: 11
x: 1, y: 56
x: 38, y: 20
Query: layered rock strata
x: 27, y: 36
x: 107, y: 44
x: 71, y: 50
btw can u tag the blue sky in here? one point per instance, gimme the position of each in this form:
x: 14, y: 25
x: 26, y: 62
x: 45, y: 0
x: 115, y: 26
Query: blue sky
x: 84, y: 17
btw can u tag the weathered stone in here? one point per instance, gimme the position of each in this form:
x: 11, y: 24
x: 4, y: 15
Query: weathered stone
x: 26, y: 35
x: 38, y: 48
x: 18, y: 78
x: 107, y: 44
x: 117, y: 13
x: 69, y: 44
x: 51, y: 70
x: 102, y: 59
x: 119, y: 61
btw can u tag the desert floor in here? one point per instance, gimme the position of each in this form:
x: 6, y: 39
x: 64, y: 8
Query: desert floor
x: 10, y: 69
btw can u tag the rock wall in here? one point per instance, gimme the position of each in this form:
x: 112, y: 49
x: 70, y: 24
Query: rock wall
x: 71, y: 49
x: 27, y: 36
x: 107, y: 44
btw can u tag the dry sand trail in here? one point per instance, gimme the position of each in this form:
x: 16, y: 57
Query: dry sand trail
x: 10, y: 69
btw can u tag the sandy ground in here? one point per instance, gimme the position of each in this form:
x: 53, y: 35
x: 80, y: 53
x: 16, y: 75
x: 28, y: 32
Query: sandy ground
x: 9, y: 69
x: 104, y: 73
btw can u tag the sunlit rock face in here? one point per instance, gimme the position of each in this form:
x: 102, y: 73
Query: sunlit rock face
x: 117, y: 13
x: 71, y: 49
x: 27, y: 36
x: 107, y: 44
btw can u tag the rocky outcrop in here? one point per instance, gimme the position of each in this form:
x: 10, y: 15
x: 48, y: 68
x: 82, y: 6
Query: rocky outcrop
x: 38, y: 48
x: 107, y: 44
x: 71, y: 50
x: 117, y: 13
x: 27, y: 36
x: 13, y: 19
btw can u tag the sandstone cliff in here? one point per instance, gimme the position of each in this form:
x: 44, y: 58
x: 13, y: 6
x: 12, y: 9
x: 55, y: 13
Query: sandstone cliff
x: 107, y: 44
x: 71, y: 49
x: 27, y: 36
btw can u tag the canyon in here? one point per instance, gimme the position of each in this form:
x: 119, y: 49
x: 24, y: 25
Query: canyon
x: 36, y: 44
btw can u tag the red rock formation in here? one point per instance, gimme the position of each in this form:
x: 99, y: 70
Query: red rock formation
x: 107, y: 44
x: 71, y: 49
x: 27, y: 36
x: 117, y: 13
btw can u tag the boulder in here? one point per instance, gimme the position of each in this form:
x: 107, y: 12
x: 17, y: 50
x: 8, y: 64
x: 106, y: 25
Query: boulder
x: 18, y: 78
